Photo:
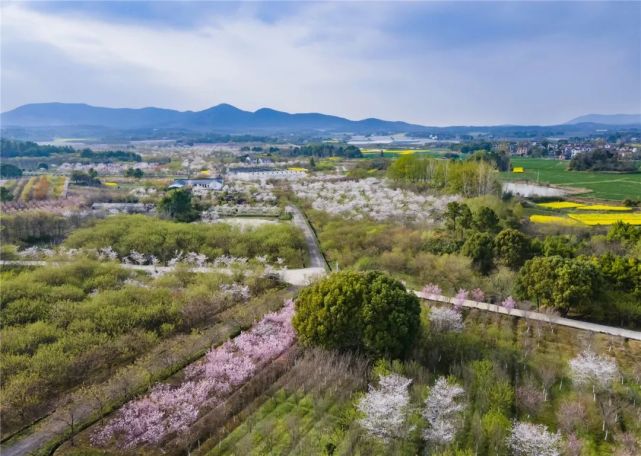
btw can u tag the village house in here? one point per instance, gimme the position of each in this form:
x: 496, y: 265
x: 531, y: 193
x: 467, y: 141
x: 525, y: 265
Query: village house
x: 209, y: 184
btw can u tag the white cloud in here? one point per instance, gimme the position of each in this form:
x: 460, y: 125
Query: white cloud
x: 332, y: 58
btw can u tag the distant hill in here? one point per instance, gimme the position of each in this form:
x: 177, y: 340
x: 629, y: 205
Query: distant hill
x: 223, y: 117
x: 608, y: 119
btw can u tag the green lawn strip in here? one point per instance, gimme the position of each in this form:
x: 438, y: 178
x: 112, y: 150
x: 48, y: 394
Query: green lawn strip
x: 602, y: 185
x: 321, y: 430
x: 204, y: 435
x: 146, y: 372
x: 258, y: 407
x: 243, y: 435
x: 272, y: 433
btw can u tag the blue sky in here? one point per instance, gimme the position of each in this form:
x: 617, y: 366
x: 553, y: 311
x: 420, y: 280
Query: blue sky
x: 425, y: 62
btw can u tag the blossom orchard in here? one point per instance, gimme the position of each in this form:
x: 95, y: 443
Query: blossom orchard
x: 372, y: 198
x: 166, y: 409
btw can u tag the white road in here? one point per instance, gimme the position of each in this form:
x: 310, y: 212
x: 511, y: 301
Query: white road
x: 612, y: 330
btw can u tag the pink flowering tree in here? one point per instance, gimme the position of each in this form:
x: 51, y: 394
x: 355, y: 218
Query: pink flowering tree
x: 460, y: 297
x: 167, y: 409
x: 508, y: 303
x: 478, y: 295
x: 432, y: 289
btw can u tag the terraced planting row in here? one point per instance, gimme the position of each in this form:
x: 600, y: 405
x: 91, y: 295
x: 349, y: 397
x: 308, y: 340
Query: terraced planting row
x: 36, y: 188
x: 308, y: 411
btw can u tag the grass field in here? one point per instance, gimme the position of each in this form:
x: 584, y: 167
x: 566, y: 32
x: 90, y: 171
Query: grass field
x: 395, y: 153
x: 607, y: 186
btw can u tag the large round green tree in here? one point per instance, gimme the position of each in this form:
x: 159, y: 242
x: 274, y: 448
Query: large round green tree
x: 364, y: 311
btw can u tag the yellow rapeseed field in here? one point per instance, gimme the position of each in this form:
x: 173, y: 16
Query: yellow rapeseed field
x: 583, y: 207
x: 607, y: 219
x: 111, y: 184
x: 560, y: 205
x: 299, y: 170
x: 553, y: 219
x: 518, y: 169
x: 603, y: 207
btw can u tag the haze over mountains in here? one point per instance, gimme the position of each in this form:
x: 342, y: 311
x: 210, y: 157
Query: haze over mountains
x: 608, y: 119
x: 223, y: 117
x: 227, y: 118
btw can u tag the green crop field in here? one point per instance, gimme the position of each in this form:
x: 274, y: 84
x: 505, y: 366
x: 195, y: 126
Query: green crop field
x: 609, y: 186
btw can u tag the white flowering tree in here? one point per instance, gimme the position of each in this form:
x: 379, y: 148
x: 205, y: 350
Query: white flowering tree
x: 527, y: 439
x: 371, y: 198
x: 588, y: 368
x: 442, y: 412
x: 385, y: 407
x: 444, y: 319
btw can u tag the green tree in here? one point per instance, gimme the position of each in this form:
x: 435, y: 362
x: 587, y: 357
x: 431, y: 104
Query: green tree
x: 562, y: 283
x: 458, y: 216
x: 480, y: 248
x: 9, y: 170
x: 486, y: 220
x: 5, y: 195
x: 178, y: 205
x: 137, y: 173
x: 362, y: 311
x: 559, y: 246
x: 512, y: 248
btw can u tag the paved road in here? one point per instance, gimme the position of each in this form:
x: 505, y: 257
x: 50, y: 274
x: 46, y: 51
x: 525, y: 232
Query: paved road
x: 298, y: 277
x: 316, y: 258
x: 612, y: 330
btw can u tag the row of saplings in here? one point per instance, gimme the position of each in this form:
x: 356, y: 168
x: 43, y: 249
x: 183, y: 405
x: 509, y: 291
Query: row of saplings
x: 374, y: 315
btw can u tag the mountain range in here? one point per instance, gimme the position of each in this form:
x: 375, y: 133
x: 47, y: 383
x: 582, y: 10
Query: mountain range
x: 225, y: 118
x: 608, y: 119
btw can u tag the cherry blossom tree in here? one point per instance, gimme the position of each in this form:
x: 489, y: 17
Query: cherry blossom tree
x: 107, y: 253
x: 371, y: 198
x: 527, y: 439
x: 137, y: 257
x: 385, y: 407
x: 442, y: 412
x: 460, y: 297
x: 478, y: 295
x: 237, y: 291
x: 590, y: 368
x: 168, y: 409
x: 444, y: 319
x: 432, y: 289
x: 508, y: 303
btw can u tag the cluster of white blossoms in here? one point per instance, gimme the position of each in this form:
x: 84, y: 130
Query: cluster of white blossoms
x: 442, y: 412
x: 259, y: 193
x: 36, y: 253
x: 372, y: 198
x: 385, y: 407
x: 590, y: 368
x: 141, y: 192
x: 445, y: 319
x: 527, y: 439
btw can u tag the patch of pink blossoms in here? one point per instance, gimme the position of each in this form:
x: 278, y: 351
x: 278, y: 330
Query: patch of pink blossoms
x: 207, y: 383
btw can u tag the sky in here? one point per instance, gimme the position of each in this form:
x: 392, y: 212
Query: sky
x: 431, y: 63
